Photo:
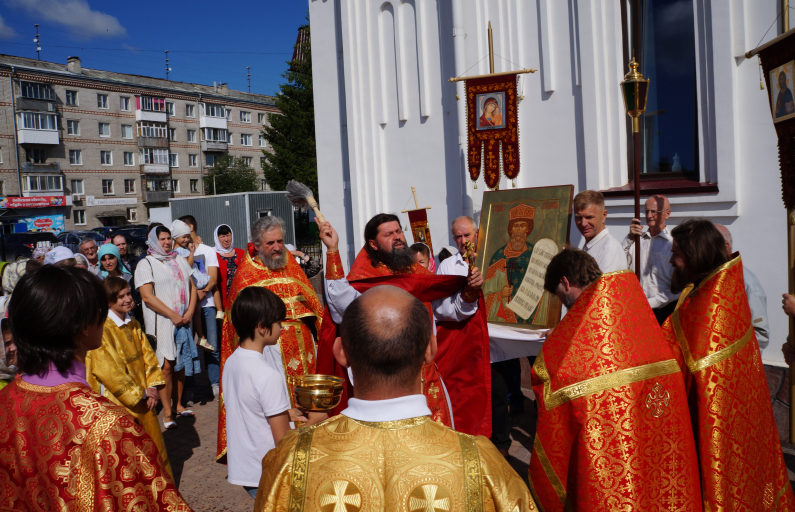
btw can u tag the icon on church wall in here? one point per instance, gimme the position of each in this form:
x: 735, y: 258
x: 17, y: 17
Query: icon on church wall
x: 490, y: 110
x: 781, y: 98
x: 520, y: 231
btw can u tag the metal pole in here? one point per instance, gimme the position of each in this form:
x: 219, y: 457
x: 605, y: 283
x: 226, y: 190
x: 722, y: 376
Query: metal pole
x: 38, y: 42
x: 248, y: 74
x: 491, y: 51
x: 636, y: 137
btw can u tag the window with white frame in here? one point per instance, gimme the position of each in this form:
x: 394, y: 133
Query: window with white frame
x: 172, y: 134
x: 42, y: 184
x: 262, y: 142
x: 71, y: 98
x: 173, y: 160
x: 75, y: 157
x: 107, y: 187
x: 104, y: 129
x: 263, y: 184
x: 194, y: 186
x: 170, y: 108
x: 175, y: 186
x: 1, y: 161
x: 192, y: 161
x: 37, y: 121
x: 211, y: 159
x: 37, y: 91
x: 262, y: 162
x: 153, y: 104
x: 79, y: 217
x: 102, y: 101
x: 153, y: 156
x: 36, y: 156
x: 129, y: 186
x: 77, y: 187
x: 124, y: 103
x: 229, y: 114
x: 261, y: 118
x: 245, y: 139
x: 72, y: 127
x: 126, y: 131
x: 106, y: 157
x: 245, y: 117
x: 129, y: 159
x: 229, y: 138
x: 151, y: 129
x: 2, y: 188
x: 191, y: 135
x: 247, y: 160
x: 132, y: 215
x: 215, y: 135
x: 211, y: 110
x: 189, y: 111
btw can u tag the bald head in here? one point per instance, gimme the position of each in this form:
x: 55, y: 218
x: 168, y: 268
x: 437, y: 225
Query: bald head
x: 385, y: 333
x: 726, y: 236
x: 464, y: 230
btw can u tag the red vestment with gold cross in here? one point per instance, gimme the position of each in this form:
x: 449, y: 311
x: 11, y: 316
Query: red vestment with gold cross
x: 711, y: 333
x: 462, y: 358
x: 613, y: 422
x: 296, y: 343
x: 68, y: 448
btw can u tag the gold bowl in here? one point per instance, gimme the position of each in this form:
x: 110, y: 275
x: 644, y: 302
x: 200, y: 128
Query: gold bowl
x: 317, y: 392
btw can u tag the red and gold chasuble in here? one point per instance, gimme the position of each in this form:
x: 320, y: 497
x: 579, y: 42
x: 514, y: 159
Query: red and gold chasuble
x: 462, y: 358
x: 296, y: 344
x: 613, y: 423
x: 742, y: 466
x: 67, y: 448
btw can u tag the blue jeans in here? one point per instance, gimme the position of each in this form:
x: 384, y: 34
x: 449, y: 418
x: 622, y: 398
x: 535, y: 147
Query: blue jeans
x: 213, y: 359
x: 252, y: 491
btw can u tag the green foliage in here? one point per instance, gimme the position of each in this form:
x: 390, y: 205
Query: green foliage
x: 230, y: 175
x: 291, y: 134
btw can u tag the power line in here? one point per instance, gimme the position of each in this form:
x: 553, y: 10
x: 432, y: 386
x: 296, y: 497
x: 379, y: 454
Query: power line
x: 158, y: 51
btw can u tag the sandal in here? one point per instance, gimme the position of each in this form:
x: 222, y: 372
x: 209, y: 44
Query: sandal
x: 170, y: 425
x: 187, y: 413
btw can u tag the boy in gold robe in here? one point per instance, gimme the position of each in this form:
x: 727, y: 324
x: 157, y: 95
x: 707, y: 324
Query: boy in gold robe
x: 126, y: 366
x: 384, y: 452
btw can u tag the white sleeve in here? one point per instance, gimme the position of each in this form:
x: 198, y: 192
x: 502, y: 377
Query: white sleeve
x: 614, y: 258
x: 452, y: 308
x: 144, y: 274
x: 272, y: 395
x: 339, y: 295
x: 210, y: 256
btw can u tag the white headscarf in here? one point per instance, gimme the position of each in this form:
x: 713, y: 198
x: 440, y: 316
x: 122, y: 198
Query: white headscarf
x: 220, y: 248
x: 178, y: 229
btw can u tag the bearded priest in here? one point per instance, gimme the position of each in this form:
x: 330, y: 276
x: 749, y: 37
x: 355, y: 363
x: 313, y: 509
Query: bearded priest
x: 463, y: 360
x: 384, y: 452
x: 613, y: 423
x: 269, y: 264
x: 712, y: 335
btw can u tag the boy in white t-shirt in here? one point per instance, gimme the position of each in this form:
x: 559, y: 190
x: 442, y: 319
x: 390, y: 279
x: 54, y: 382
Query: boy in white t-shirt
x: 257, y: 407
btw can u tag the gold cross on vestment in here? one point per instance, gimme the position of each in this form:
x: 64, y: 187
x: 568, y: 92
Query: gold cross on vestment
x: 430, y: 503
x: 433, y: 390
x: 339, y: 499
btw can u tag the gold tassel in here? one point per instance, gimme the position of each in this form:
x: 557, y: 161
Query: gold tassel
x: 514, y: 183
x: 476, y: 185
x: 521, y: 97
x: 761, y: 85
x: 457, y: 98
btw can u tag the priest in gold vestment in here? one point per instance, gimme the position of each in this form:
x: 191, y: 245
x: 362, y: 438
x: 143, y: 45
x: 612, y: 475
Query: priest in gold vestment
x: 712, y: 335
x: 384, y: 452
x: 613, y: 423
x: 125, y: 366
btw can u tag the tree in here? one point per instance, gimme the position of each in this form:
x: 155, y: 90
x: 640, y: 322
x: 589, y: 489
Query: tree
x: 291, y: 133
x: 230, y: 175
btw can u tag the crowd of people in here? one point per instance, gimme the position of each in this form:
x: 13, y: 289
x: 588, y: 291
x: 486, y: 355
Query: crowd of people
x: 650, y: 395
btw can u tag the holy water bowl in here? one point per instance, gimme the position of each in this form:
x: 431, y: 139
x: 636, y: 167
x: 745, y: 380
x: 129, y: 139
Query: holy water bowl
x: 317, y: 392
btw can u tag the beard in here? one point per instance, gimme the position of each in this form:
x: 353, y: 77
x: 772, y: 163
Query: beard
x: 567, y: 299
x: 398, y: 258
x: 679, y: 279
x: 518, y: 241
x: 274, y: 260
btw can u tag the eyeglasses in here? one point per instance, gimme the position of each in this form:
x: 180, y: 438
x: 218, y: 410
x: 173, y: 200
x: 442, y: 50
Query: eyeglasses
x: 91, y: 249
x: 654, y: 212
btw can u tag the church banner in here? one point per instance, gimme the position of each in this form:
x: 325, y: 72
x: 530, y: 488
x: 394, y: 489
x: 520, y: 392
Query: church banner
x: 520, y: 231
x: 492, y: 128
x: 419, y: 227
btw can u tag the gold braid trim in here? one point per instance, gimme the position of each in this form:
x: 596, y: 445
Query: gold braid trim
x: 603, y: 382
x: 554, y: 481
x: 300, y: 476
x: 708, y: 360
x: 473, y: 476
x: 394, y: 425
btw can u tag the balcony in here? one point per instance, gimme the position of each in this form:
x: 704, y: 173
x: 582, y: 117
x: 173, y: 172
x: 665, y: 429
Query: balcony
x: 213, y: 145
x: 46, y: 168
x: 154, y: 169
x: 153, y: 142
x: 159, y: 196
x: 33, y: 136
x: 212, y: 122
x: 36, y: 104
x: 147, y: 115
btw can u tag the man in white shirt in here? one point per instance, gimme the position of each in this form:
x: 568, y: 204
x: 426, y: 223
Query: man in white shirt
x: 88, y: 248
x: 589, y: 216
x: 206, y: 259
x: 655, y: 255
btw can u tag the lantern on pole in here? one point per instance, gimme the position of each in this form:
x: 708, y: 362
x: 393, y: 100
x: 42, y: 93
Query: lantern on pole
x: 635, y: 90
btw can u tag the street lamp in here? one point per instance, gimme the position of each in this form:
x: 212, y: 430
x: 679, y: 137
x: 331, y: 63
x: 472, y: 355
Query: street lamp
x: 635, y: 90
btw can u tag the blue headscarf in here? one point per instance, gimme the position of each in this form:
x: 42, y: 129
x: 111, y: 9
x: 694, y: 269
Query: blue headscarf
x: 113, y: 251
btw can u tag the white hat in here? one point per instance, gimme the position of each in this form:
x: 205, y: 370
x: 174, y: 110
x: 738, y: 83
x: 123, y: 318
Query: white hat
x: 178, y: 229
x: 58, y: 254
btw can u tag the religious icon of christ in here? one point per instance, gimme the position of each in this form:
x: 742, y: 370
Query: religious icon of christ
x: 507, y: 268
x: 491, y: 116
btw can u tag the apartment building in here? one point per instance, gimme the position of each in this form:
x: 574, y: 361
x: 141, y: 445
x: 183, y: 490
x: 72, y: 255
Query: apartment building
x: 112, y: 145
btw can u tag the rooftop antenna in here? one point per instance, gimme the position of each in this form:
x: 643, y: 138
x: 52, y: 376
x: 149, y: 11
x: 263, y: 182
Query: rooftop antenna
x: 248, y: 70
x: 167, y: 68
x: 38, y: 42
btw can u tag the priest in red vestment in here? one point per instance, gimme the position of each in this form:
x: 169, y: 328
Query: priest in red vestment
x: 712, y: 335
x: 462, y: 361
x: 613, y: 423
x: 268, y: 264
x: 62, y: 445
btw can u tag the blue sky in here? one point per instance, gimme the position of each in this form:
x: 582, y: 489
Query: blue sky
x: 267, y: 29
